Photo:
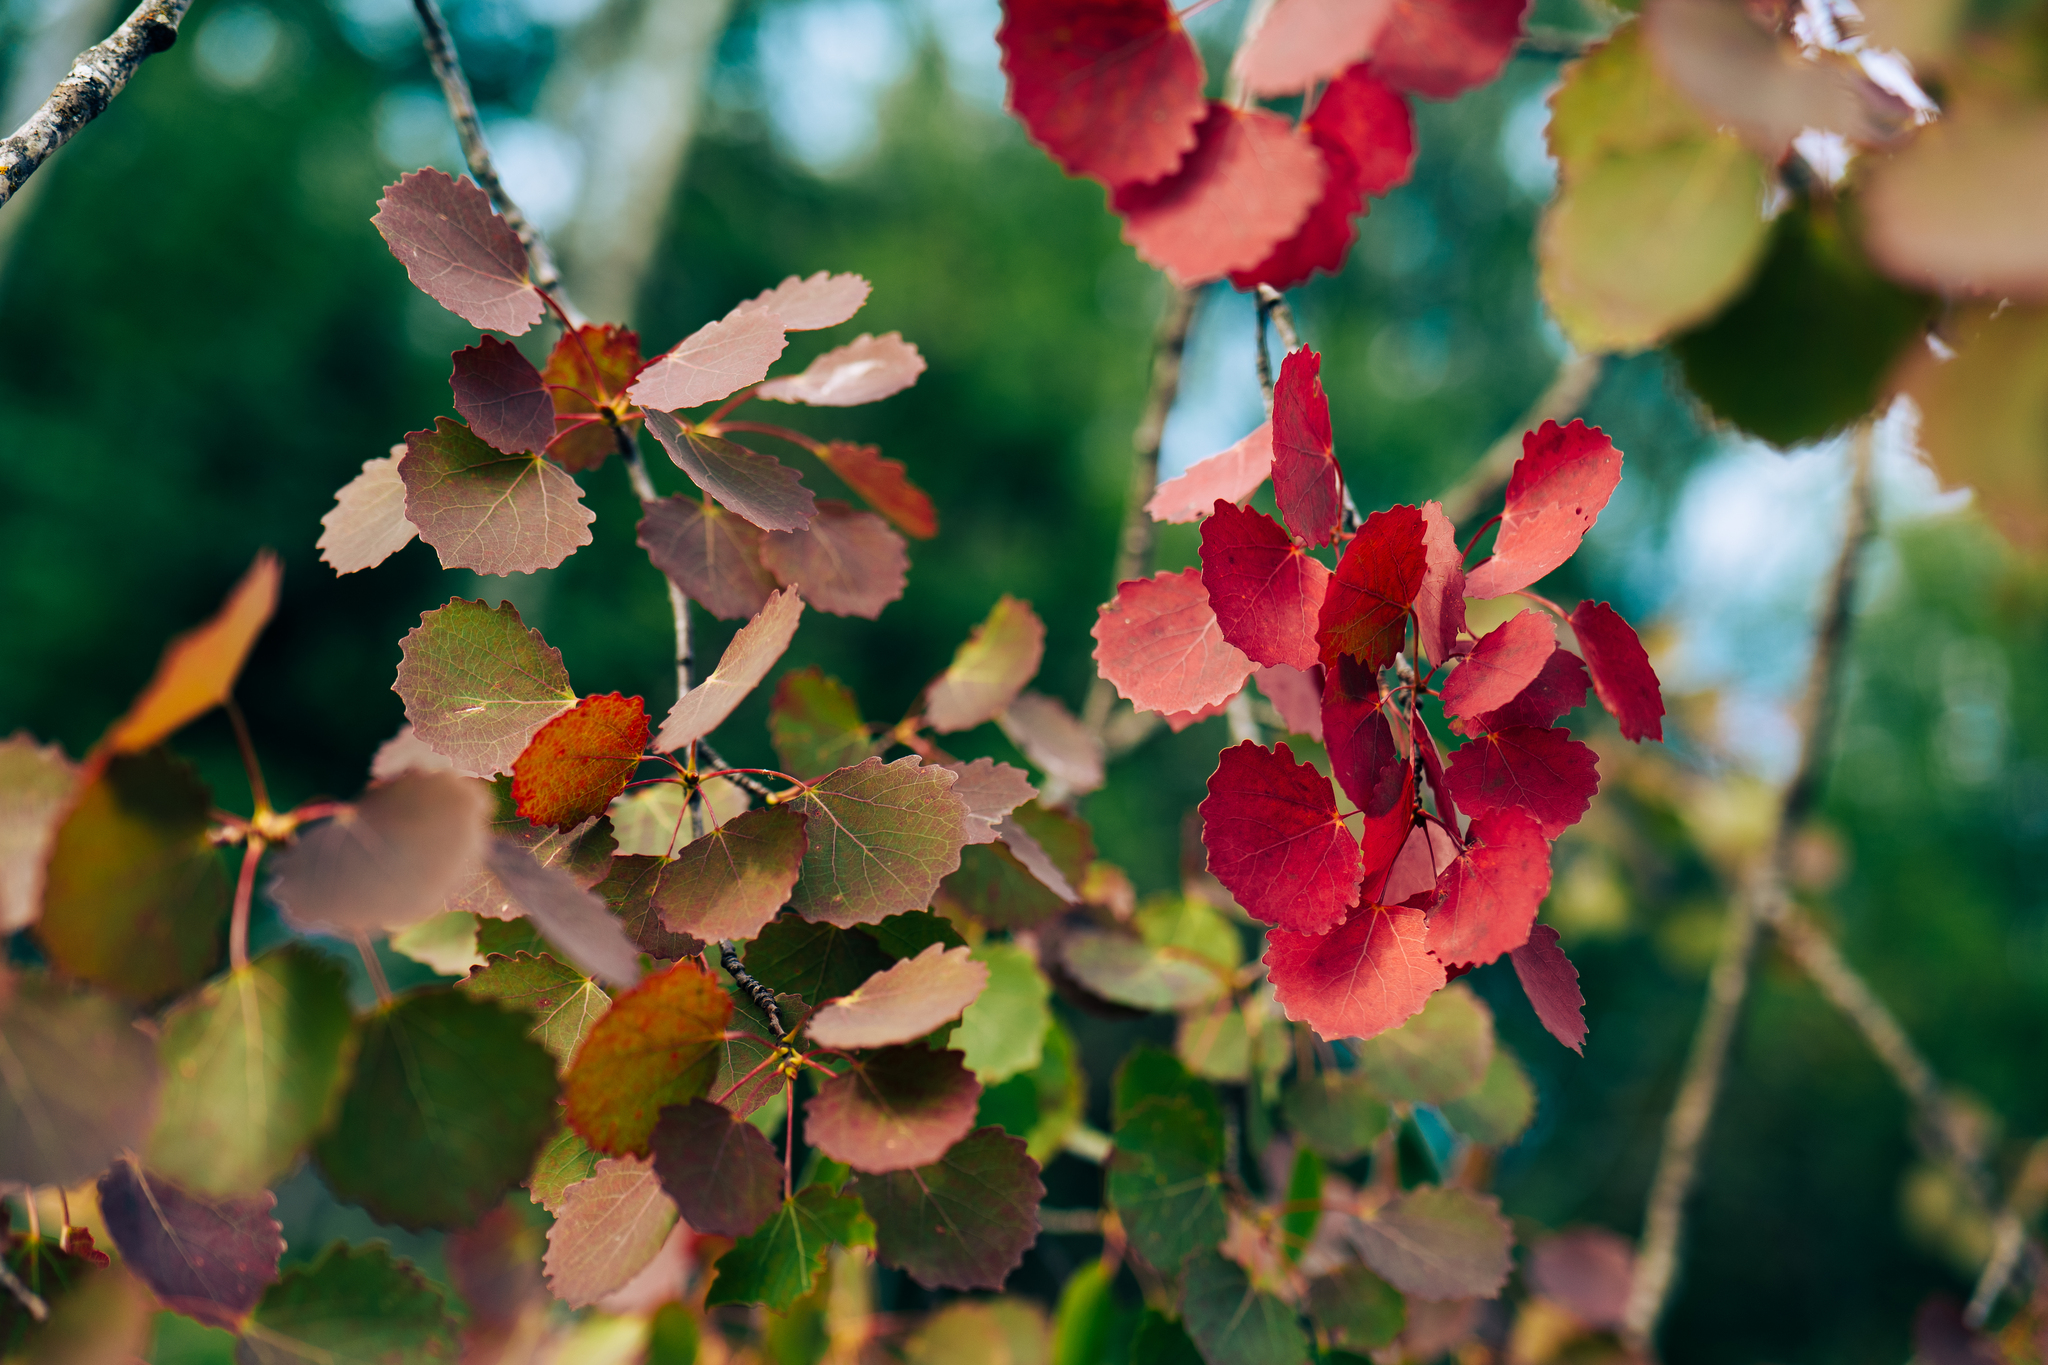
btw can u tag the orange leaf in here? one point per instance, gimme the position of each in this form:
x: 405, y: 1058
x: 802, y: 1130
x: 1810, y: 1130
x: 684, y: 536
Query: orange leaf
x: 199, y: 668
x: 580, y: 760
x: 656, y: 1047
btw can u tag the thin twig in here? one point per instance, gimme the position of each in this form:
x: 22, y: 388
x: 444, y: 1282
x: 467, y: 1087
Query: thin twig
x: 1565, y: 396
x: 763, y: 998
x: 99, y: 74
x: 259, y: 793
x: 30, y: 1300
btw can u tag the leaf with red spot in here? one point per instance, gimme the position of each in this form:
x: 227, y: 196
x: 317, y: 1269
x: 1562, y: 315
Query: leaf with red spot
x: 1367, y: 975
x: 962, y: 1222
x: 883, y: 484
x: 1158, y: 643
x: 1372, y: 771
x: 1264, y: 588
x: 587, y: 375
x: 1110, y: 88
x: 1442, y: 48
x: 845, y: 562
x: 1233, y: 475
x: 718, y: 359
x: 1365, y: 613
x: 733, y: 880
x: 499, y: 392
x: 1306, y: 481
x: 1564, y: 478
x: 1552, y: 985
x: 458, y: 250
x: 1560, y: 688
x: 1505, y: 661
x: 1544, y: 773
x: 720, y: 1170
x: 1245, y: 188
x: 758, y: 487
x: 1297, y: 695
x: 807, y: 303
x: 894, y: 1109
x: 1440, y: 606
x: 864, y: 370
x: 753, y: 650
x: 713, y: 555
x: 904, y: 1002
x: 576, y: 763
x: 1492, y: 891
x: 484, y: 510
x: 1275, y: 840
x: 1621, y: 671
x: 1301, y: 42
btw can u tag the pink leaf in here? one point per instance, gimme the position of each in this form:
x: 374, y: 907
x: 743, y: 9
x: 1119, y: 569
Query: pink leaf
x: 1621, y: 671
x: 1265, y: 589
x: 1233, y: 476
x: 713, y: 362
x: 1305, y: 477
x: 1365, y: 613
x: 1160, y: 645
x: 758, y: 487
x: 1552, y: 985
x: 499, y: 392
x: 1544, y: 773
x: 847, y: 563
x: 1564, y: 478
x: 1506, y: 660
x: 1492, y: 891
x: 864, y: 370
x: 1275, y: 840
x: 385, y: 862
x: 713, y: 555
x: 367, y: 524
x: 990, y: 791
x: 570, y: 917
x: 1296, y: 695
x: 1301, y: 42
x: 1178, y: 721
x: 747, y: 659
x: 1050, y: 736
x: 734, y: 879
x: 1442, y: 48
x: 1368, y: 766
x: 1561, y: 687
x: 894, y: 1109
x: 1367, y: 975
x: 1413, y: 877
x: 1325, y: 236
x: 805, y: 304
x: 456, y: 248
x: 1440, y: 606
x: 904, y: 1002
x: 487, y: 511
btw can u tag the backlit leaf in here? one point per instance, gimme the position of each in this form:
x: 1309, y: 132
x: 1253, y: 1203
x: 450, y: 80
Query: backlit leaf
x: 499, y: 393
x: 386, y: 862
x: 1367, y: 120
x: 733, y: 880
x: 587, y: 375
x: 565, y: 1004
x: 1163, y: 1179
x: 1051, y: 738
x: 819, y: 962
x: 449, y: 1103
x: 656, y: 1047
x: 778, y: 1265
x: 260, y: 1055
x: 753, y: 650
x: 578, y: 762
x: 1296, y: 695
x: 1365, y: 611
x: 961, y: 1222
x: 990, y: 791
x: 456, y: 249
x: 487, y: 511
x: 1233, y: 475
x: 894, y: 1109
x: 1440, y: 605
x: 1305, y: 475
x: 989, y: 670
x: 1158, y: 643
x: 1442, y: 48
x: 845, y: 562
x: 1275, y: 839
x: 1110, y: 90
x: 1232, y: 1321
x: 1621, y: 670
x: 565, y: 1161
x: 606, y: 1230
x: 1981, y: 414
x: 1365, y: 976
x: 1356, y: 1308
x: 631, y: 891
x: 81, y: 1082
x: 881, y: 837
x: 807, y: 303
x: 1003, y: 1032
x: 755, y: 486
x: 717, y: 359
x: 1438, y: 1243
x: 351, y: 1306
x: 1492, y: 890
x: 367, y: 524
x: 722, y: 1174
x: 1500, y: 1109
x: 1325, y: 236
x: 1440, y: 1054
x: 198, y: 669
x: 1506, y: 660
x: 864, y: 370
x: 1336, y: 1114
x: 36, y: 783
x: 1544, y: 773
x: 884, y: 485
x: 903, y: 1003
x: 815, y: 724
x: 1563, y: 479
x: 1552, y: 985
x: 1301, y: 42
x: 713, y: 555
x: 1368, y: 765
x: 210, y: 1259
x: 1560, y: 688
x: 1265, y: 589
x: 477, y: 683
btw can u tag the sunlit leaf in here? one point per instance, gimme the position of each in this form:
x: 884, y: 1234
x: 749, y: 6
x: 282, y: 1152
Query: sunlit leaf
x: 989, y: 670
x: 487, y: 511
x: 1158, y: 643
x: 456, y: 248
x: 1552, y: 985
x: 1621, y: 670
x: 367, y: 524
x: 1491, y: 891
x: 477, y: 684
x: 565, y: 1004
x: 884, y: 485
x: 587, y: 375
x: 1275, y: 839
x: 903, y: 1003
x: 1266, y: 590
x: 881, y: 836
x: 753, y: 650
x: 1442, y: 48
x: 606, y: 1229
x: 1544, y: 773
x: 807, y: 303
x: 1365, y: 610
x: 717, y: 359
x: 198, y: 669
x: 990, y: 791
x: 578, y: 762
x: 1362, y: 978
x: 1301, y: 42
x: 1233, y: 475
x: 1306, y: 481
x: 864, y: 370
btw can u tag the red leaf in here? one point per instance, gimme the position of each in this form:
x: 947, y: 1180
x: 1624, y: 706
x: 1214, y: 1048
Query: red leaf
x: 1492, y: 891
x: 1178, y: 721
x: 904, y: 1002
x: 894, y: 1109
x: 1564, y: 478
x: 576, y: 763
x: 588, y: 373
x: 1110, y: 88
x: 657, y: 1046
x: 752, y: 651
x: 758, y: 487
x: 806, y: 304
x: 1368, y: 766
x: 487, y: 511
x: 1507, y: 659
x: 845, y: 562
x: 458, y: 250
x: 1365, y: 614
x: 1297, y: 695
x: 1552, y: 985
x: 713, y: 555
x: 883, y: 484
x: 734, y: 879
x: 1561, y: 687
x: 1306, y: 481
x: 716, y: 360
x: 1413, y: 877
x: 1440, y: 606
x: 1264, y: 588
x: 1233, y: 476
x: 1301, y: 42
x: 1325, y: 236
x: 499, y: 392
x: 1545, y: 773
x: 720, y: 1170
x: 1245, y: 188
x: 1275, y: 840
x: 1442, y: 48
x: 1159, y: 644
x: 1621, y: 671
x: 864, y: 370
x: 1367, y: 975
x: 1433, y: 766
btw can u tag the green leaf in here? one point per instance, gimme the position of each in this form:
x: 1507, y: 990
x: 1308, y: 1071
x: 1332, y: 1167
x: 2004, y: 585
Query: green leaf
x: 1041, y: 1105
x: 1085, y: 1314
x: 1336, y: 1114
x: 564, y: 1160
x: 657, y: 1046
x: 1234, y: 1323
x: 260, y: 1056
x: 1980, y: 413
x: 1500, y: 1109
x: 820, y: 962
x: 351, y: 1306
x: 1161, y: 1340
x: 1440, y: 1054
x: 135, y: 898
x: 778, y: 1264
x: 815, y: 724
x: 1304, y: 1203
x: 962, y: 1222
x: 1356, y: 1309
x: 907, y: 935
x: 1165, y: 1181
x: 1149, y: 1073
x: 880, y: 838
x: 477, y: 684
x: 1123, y: 968
x: 79, y: 1085
x: 1438, y: 1243
x: 1003, y: 1031
x: 565, y: 1004
x: 445, y: 942
x: 450, y: 1102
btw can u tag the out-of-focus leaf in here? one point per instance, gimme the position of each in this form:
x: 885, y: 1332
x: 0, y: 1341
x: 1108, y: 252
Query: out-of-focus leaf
x: 749, y: 655
x: 351, y: 1306
x: 995, y: 888
x: 1357, y: 1309
x: 905, y: 1002
x: 565, y: 1160
x: 1441, y: 1054
x: 990, y: 791
x: 881, y: 837
x: 845, y: 562
x: 1164, y: 1179
x: 484, y: 510
x: 1084, y: 1317
x: 456, y: 249
x: 1442, y: 50
x: 210, y: 1259
x: 864, y: 370
x: 717, y: 359
x: 1003, y: 1031
x: 1491, y: 890
x: 36, y: 783
x: 1438, y: 1243
x: 884, y: 485
x: 1232, y: 1321
x: 721, y: 1172
x: 1302, y: 42
x: 989, y: 670
x: 606, y: 1229
x: 713, y: 555
x: 386, y: 862
x: 199, y: 668
x: 477, y: 683
x: 81, y: 1082
x: 1588, y: 1271
x: 893, y: 1109
x: 819, y: 962
x: 367, y: 524
x: 1055, y: 741
x: 815, y: 724
x: 1556, y: 491
x: 962, y: 1222
x: 1982, y: 414
x: 778, y: 1265
x: 656, y: 1047
x: 500, y: 395
x: 578, y: 762
x: 1500, y: 1109
x: 565, y: 1004
x: 1362, y: 978
x: 1336, y: 1114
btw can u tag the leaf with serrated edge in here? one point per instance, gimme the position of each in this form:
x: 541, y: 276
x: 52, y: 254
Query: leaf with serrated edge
x: 1158, y: 643
x: 1440, y: 1054
x: 905, y: 1002
x: 500, y: 394
x: 565, y: 1160
x: 1051, y: 737
x: 752, y: 652
x: 477, y: 683
x: 1365, y: 611
x: 1231, y: 475
x: 989, y: 670
x: 1265, y: 589
x: 1552, y: 985
x: 1491, y: 891
x: 1544, y: 773
x: 845, y: 562
x: 631, y: 891
x: 1621, y: 671
x: 1275, y: 840
x: 1500, y: 1109
x: 1164, y: 1180
x: 882, y: 837
x: 388, y: 861
x: 565, y: 1004
x: 1362, y: 978
x: 1302, y: 42
x: 587, y: 375
x: 1439, y: 51
x: 1438, y: 1243
x: 864, y: 370
x: 367, y: 524
x: 578, y: 762
x: 717, y: 359
x: 894, y: 1109
x: 723, y: 1175
x: 1558, y: 488
x: 758, y: 487
x: 734, y: 879
x: 210, y: 1259
x: 1337, y: 1115
x: 820, y: 962
x: 351, y: 1306
x: 458, y: 251
x: 884, y: 485
x: 990, y: 791
x: 808, y: 303
x: 1505, y: 661
x: 606, y: 1230
x: 656, y: 1047
x: 81, y: 1082
x: 199, y: 668
x: 487, y: 511
x: 713, y: 555
x: 962, y: 1222
x: 777, y: 1265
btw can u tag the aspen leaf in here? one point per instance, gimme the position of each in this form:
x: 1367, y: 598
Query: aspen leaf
x: 807, y: 303
x: 1552, y: 985
x: 477, y: 684
x: 753, y: 650
x: 1003, y: 1032
x: 1438, y: 1243
x: 713, y: 555
x: 1301, y: 42
x: 584, y: 852
x: 386, y: 862
x: 1275, y: 839
x: 884, y: 485
x: 1266, y: 590
x: 1491, y: 890
x: 1506, y: 660
x: 82, y: 1082
x: 565, y: 1004
x: 500, y: 395
x: 1232, y: 475
x: 961, y: 1222
x: 351, y: 1306
x: 989, y: 670
x: 458, y: 251
x: 714, y: 361
x: 902, y: 1003
x: 631, y: 891
x: 1231, y: 1320
x: 1051, y: 738
x: 1112, y: 91
x: 367, y: 524
x: 1365, y: 611
x: 1296, y: 695
x: 210, y: 1259
x: 995, y: 888
x: 1556, y: 492
x: 1621, y: 670
x: 990, y: 791
x: 1441, y: 1054
x: 405, y: 752
x: 893, y: 1109
x: 1164, y: 1179
x: 587, y: 376
x: 606, y: 1230
x: 1442, y: 48
x: 565, y: 1160
x: 1159, y: 644
x: 722, y: 1174
x: 755, y: 486
x: 1368, y: 765
x: 881, y: 838
x: 815, y: 724
x: 778, y: 1264
x: 198, y: 669
x: 845, y: 562
x: 1500, y: 1109
x: 1336, y: 1114
x: 1363, y: 977
x: 1306, y: 481
x: 656, y: 1047
x: 864, y: 370
x: 1124, y: 968
x: 907, y: 935
x: 578, y: 762
x: 487, y: 511
x: 1561, y: 687
x: 36, y: 784
x: 1982, y: 414
x: 733, y: 880
x: 1440, y: 605
x: 818, y: 962
x: 1356, y: 1308
x: 1544, y: 773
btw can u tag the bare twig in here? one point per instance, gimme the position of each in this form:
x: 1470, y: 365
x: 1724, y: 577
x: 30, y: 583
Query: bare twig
x: 99, y: 74
x: 29, y: 1299
x: 1565, y: 396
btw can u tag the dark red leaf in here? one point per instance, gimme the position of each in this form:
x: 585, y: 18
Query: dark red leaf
x: 1301, y: 42
x: 1433, y: 767
x: 845, y: 562
x: 1305, y: 477
x: 894, y: 1109
x: 1621, y: 671
x: 963, y: 1222
x: 1492, y: 891
x: 1564, y: 478
x: 735, y: 878
x: 1244, y: 189
x: 1297, y: 695
x: 1552, y: 985
x: 1543, y: 772
x: 713, y: 555
x: 1159, y: 644
x: 1110, y: 88
x: 1379, y: 781
x: 720, y: 1170
x: 1365, y: 613
x: 1440, y: 605
x: 758, y: 487
x: 499, y: 392
x: 1559, y: 688
x: 1275, y: 840
x: 1367, y: 975
x: 1233, y: 476
x: 587, y: 374
x: 484, y: 510
x: 208, y: 1258
x: 576, y: 763
x: 718, y: 359
x: 1264, y: 588
x: 1442, y: 48
x: 1505, y: 661
x: 458, y: 250
x: 883, y: 484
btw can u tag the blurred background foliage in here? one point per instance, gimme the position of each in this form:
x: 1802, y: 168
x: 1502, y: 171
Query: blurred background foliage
x: 201, y: 337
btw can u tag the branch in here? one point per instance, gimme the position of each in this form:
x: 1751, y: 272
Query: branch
x: 99, y: 74
x: 1566, y: 395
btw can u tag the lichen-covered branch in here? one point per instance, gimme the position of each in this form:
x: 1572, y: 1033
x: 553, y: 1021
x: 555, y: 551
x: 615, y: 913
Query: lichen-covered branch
x: 99, y: 74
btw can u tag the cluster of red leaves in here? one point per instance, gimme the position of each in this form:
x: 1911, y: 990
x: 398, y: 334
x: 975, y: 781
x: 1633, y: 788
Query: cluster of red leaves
x: 1373, y: 908
x: 1113, y: 90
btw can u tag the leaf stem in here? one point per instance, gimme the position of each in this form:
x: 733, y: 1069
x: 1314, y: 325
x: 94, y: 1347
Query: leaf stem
x: 1484, y: 527
x: 1555, y: 610
x: 259, y: 794
x: 788, y: 1136
x: 795, y: 438
x: 245, y: 890
x: 375, y: 968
